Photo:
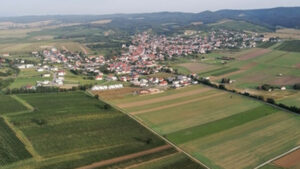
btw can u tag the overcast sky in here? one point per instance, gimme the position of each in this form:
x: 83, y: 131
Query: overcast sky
x: 51, y: 7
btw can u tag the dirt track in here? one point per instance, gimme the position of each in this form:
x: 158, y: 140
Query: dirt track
x: 254, y: 54
x: 164, y: 98
x: 126, y: 157
x: 289, y: 160
x: 176, y: 104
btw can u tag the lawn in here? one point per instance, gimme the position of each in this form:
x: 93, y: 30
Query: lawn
x: 28, y: 77
x: 222, y: 130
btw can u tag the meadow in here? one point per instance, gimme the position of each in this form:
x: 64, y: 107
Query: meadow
x: 69, y: 130
x: 220, y: 129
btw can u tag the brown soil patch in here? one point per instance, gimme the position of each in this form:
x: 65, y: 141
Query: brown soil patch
x: 176, y: 104
x: 196, y: 67
x: 116, y: 94
x: 126, y: 157
x: 243, y: 69
x: 286, y: 80
x: 298, y: 66
x: 164, y: 98
x: 254, y: 54
x: 290, y: 160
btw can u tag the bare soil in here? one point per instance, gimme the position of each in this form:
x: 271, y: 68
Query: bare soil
x: 286, y: 81
x: 125, y: 158
x: 195, y: 67
x: 254, y: 54
x: 290, y: 160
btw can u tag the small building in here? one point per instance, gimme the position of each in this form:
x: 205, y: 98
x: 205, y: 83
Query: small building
x: 99, y: 77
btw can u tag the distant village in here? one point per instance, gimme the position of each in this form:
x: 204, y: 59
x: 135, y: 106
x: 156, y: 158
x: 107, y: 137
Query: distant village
x: 142, y: 58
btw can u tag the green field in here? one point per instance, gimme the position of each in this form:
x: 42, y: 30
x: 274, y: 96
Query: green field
x: 9, y: 105
x: 69, y: 130
x: 11, y: 148
x: 290, y: 46
x: 28, y: 77
x: 222, y: 130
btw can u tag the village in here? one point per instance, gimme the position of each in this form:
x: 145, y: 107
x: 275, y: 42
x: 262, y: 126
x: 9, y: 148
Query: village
x: 143, y: 57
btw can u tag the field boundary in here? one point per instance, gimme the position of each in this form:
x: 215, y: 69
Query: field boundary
x: 23, y: 102
x: 153, y: 160
x: 277, y: 157
x: 20, y: 135
x: 126, y: 157
x: 154, y: 132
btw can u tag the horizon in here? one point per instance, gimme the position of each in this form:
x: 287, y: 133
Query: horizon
x: 144, y: 12
x: 14, y: 8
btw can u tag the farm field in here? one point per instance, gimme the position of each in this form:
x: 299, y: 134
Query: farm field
x: 11, y: 148
x: 9, y: 105
x: 220, y: 129
x: 69, y: 130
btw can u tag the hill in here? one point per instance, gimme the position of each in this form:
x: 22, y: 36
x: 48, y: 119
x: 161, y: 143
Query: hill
x: 275, y: 17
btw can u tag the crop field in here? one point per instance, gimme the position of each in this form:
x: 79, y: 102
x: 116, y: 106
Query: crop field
x: 11, y: 148
x: 196, y: 67
x: 290, y: 46
x: 69, y: 130
x: 9, y: 105
x: 222, y: 130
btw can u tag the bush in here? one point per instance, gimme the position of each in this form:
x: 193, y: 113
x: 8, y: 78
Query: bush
x: 106, y: 106
x: 271, y: 101
x: 297, y: 86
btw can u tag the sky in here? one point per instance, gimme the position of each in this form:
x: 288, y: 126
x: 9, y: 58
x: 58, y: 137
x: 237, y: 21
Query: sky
x: 63, y: 7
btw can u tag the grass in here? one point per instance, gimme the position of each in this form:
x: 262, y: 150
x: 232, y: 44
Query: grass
x: 11, y: 148
x: 290, y: 46
x: 223, y: 130
x: 9, y: 105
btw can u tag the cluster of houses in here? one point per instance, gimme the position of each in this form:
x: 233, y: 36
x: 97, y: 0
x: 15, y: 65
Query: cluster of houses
x: 141, y: 58
x: 105, y: 87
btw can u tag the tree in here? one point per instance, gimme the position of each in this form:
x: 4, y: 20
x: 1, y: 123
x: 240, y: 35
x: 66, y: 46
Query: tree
x: 271, y: 101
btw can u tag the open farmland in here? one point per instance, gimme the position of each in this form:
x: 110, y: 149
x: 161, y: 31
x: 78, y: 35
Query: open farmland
x: 220, y: 129
x: 11, y: 148
x: 69, y: 130
x: 9, y: 105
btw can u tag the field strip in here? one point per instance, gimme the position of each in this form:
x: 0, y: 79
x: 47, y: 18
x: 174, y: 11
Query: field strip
x: 23, y: 139
x: 154, y: 132
x: 64, y: 48
x: 165, y: 98
x: 84, y: 50
x: 95, y: 149
x: 126, y: 157
x: 23, y: 102
x: 154, y: 160
x: 277, y: 157
x: 254, y: 54
x: 176, y: 104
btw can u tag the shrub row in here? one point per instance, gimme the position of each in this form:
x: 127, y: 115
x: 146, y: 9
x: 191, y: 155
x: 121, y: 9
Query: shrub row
x: 268, y: 100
